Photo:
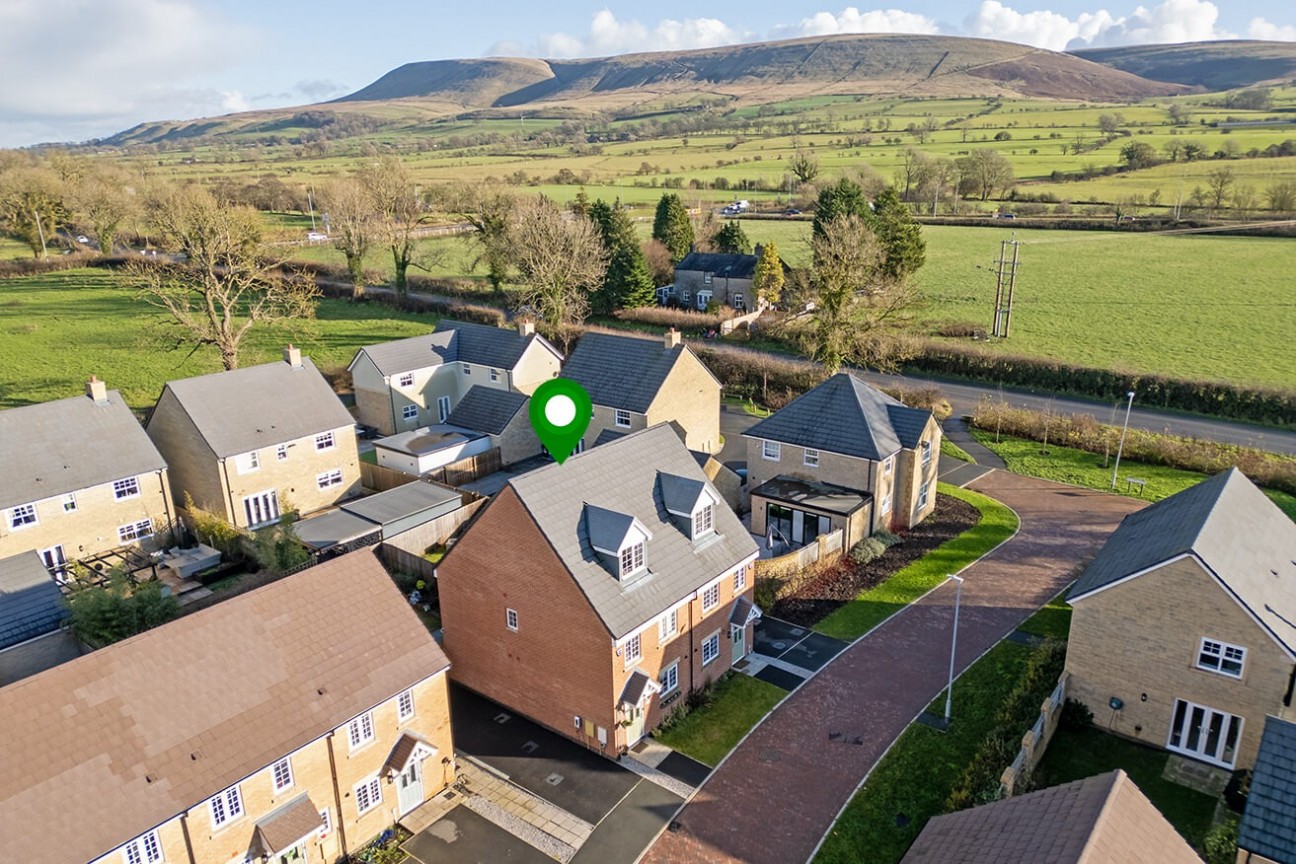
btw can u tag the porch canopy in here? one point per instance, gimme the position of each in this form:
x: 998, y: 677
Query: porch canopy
x: 637, y: 690
x: 287, y: 826
x: 810, y: 495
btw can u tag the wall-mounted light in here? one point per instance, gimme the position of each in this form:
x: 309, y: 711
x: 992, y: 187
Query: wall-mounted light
x: 1143, y: 698
x: 1116, y: 704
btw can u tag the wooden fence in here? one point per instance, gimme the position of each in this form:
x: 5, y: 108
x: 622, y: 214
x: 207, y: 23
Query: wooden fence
x: 1035, y: 742
x: 380, y: 478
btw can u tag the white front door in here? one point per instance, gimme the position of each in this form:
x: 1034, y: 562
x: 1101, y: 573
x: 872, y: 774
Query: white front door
x: 738, y: 635
x: 635, y: 730
x: 54, y: 560
x: 409, y: 786
x: 443, y: 408
x: 261, y: 508
x: 1204, y: 733
x: 293, y: 854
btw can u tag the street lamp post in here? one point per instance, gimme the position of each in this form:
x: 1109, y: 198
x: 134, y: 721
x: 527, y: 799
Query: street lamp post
x: 1121, y: 446
x: 949, y: 691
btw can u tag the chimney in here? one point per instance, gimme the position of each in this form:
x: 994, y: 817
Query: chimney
x: 97, y: 390
x: 292, y: 356
x: 672, y: 338
x: 526, y: 328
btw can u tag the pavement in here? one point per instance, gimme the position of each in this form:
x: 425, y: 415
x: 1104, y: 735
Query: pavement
x: 779, y: 791
x: 463, y: 836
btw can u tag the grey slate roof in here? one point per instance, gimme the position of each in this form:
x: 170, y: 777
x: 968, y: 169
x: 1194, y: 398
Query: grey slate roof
x: 621, y: 371
x: 724, y: 265
x: 680, y: 494
x: 1229, y: 524
x: 330, y: 529
x: 607, y: 436
x: 260, y: 406
x: 635, y: 687
x: 845, y: 415
x: 1268, y: 826
x: 453, y: 342
x: 30, y: 602
x: 606, y: 529
x: 621, y: 477
x: 43, y: 448
x: 404, y: 501
x: 486, y: 409
x: 428, y: 439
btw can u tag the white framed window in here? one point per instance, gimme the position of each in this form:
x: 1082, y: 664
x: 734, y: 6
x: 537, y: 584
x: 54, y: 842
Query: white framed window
x: 360, y: 731
x: 702, y: 520
x: 409, y: 412
x: 143, y: 850
x: 127, y: 487
x: 885, y: 507
x: 281, y: 774
x: 246, y: 463
x: 633, y: 650
x: 494, y: 375
x: 1221, y: 657
x: 886, y: 467
x: 405, y: 706
x: 685, y: 296
x: 711, y: 598
x: 281, y: 452
x: 738, y: 302
x: 707, y: 277
x: 368, y: 795
x: 261, y: 508
x: 326, y: 823
x: 467, y: 369
x: 69, y: 503
x: 22, y: 516
x: 740, y: 580
x: 669, y: 678
x: 406, y: 380
x: 622, y: 418
x: 771, y: 450
x: 632, y: 559
x: 923, y: 492
x: 926, y: 452
x: 667, y: 625
x: 225, y: 806
x: 711, y: 648
x: 325, y: 441
x: 511, y: 619
x: 811, y: 458
x: 329, y: 478
x: 135, y: 531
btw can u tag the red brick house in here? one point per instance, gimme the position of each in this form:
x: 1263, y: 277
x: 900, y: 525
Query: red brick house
x: 590, y: 595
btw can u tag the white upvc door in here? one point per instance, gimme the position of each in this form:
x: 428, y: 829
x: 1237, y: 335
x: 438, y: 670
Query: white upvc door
x: 55, y: 562
x: 261, y: 508
x: 409, y: 786
x: 1204, y: 733
x: 443, y: 408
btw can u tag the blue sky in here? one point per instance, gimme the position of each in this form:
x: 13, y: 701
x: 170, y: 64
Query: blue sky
x: 77, y: 69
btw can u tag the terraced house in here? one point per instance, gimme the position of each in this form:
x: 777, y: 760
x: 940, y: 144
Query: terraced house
x: 409, y: 383
x: 290, y: 724
x: 250, y: 444
x: 79, y: 477
x: 591, y: 595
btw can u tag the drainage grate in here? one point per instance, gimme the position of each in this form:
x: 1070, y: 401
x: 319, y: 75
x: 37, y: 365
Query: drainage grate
x: 530, y: 747
x: 503, y: 717
x: 554, y: 779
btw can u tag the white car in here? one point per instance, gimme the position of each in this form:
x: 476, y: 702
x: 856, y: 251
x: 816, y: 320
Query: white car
x: 316, y: 237
x: 81, y: 238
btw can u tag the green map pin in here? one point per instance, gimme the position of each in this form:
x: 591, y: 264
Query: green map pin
x: 560, y: 411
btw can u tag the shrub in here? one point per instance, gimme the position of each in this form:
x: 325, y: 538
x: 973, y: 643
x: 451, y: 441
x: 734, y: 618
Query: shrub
x: 681, y: 319
x: 118, y: 610
x: 1075, y: 715
x: 1220, y: 844
x: 867, y: 550
x: 277, y: 549
x: 213, y: 530
x: 961, y: 330
x: 887, y: 539
x: 766, y: 592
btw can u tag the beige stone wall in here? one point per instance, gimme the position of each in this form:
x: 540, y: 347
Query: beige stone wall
x: 518, y: 441
x: 93, y: 526
x: 605, y: 418
x: 536, y: 365
x: 690, y: 396
x: 373, y: 397
x: 294, y: 477
x: 722, y: 290
x: 1142, y: 637
x: 911, y: 474
x: 313, y: 773
x: 191, y: 465
x: 847, y: 471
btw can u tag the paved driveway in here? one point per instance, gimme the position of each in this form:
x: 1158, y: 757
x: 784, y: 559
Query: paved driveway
x: 463, y: 837
x: 778, y: 793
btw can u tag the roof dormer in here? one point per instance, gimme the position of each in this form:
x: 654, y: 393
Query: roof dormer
x: 620, y: 541
x: 691, y: 504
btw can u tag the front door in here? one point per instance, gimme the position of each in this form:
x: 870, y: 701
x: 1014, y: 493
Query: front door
x: 54, y: 560
x: 409, y: 786
x: 1205, y: 733
x: 293, y: 855
x: 738, y: 635
x: 443, y: 408
x: 261, y: 508
x: 635, y: 730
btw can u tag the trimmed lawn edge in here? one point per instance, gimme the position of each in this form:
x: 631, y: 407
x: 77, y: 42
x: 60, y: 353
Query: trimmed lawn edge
x: 733, y: 697
x: 949, y: 448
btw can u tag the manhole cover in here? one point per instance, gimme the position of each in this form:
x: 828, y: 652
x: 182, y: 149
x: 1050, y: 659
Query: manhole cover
x: 503, y: 717
x: 797, y: 631
x: 530, y: 747
x: 778, y: 646
x: 770, y: 755
x: 554, y: 779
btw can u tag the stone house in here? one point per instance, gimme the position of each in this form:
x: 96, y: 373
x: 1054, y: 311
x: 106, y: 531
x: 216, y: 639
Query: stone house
x: 79, y: 477
x: 842, y: 455
x: 290, y: 724
x: 504, y: 416
x: 1267, y: 832
x: 1181, y: 629
x: 726, y: 278
x: 635, y: 383
x: 249, y: 443
x: 416, y: 382
x: 591, y: 595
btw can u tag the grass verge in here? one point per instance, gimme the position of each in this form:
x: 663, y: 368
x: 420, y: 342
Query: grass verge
x: 707, y: 734
x: 1082, y: 468
x: 949, y: 448
x: 881, y: 602
x: 913, y: 780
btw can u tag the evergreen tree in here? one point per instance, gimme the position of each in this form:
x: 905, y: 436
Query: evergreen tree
x: 628, y: 282
x: 903, y: 247
x: 732, y: 239
x: 843, y: 198
x: 768, y: 278
x: 672, y: 226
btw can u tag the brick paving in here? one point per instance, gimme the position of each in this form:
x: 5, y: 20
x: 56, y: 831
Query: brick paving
x: 779, y: 791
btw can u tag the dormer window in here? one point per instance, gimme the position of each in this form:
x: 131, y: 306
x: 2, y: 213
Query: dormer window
x: 702, y: 521
x: 632, y: 559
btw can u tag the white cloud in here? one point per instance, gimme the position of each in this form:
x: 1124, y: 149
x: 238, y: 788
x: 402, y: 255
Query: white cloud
x: 609, y: 35
x: 1262, y: 29
x: 1043, y: 29
x: 1169, y: 21
x: 852, y: 20
x: 233, y: 101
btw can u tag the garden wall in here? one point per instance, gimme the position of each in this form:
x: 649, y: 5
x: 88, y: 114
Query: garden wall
x: 1035, y: 742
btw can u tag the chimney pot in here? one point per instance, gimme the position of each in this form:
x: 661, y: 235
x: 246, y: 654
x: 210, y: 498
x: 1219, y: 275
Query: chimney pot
x: 526, y: 328
x: 97, y: 390
x: 292, y: 356
x: 672, y: 338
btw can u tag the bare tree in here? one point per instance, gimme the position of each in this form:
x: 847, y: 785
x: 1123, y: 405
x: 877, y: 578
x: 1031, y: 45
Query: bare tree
x: 226, y: 285
x: 351, y: 225
x: 32, y: 206
x: 985, y: 172
x: 399, y: 211
x: 804, y: 166
x: 1280, y: 196
x: 489, y: 209
x: 561, y: 259
x: 1219, y: 183
x: 102, y: 203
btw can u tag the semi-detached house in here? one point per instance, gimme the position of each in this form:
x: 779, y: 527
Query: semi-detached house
x: 591, y: 595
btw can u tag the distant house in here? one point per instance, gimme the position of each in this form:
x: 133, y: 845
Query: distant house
x: 415, y: 382
x: 1104, y: 819
x: 292, y: 723
x: 31, y: 612
x: 636, y: 383
x: 726, y: 278
x: 591, y: 595
x: 1182, y: 630
x: 843, y: 455
x: 79, y: 477
x: 502, y: 415
x: 1267, y: 832
x: 422, y: 450
x: 247, y: 443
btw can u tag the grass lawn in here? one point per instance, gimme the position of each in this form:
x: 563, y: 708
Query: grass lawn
x: 370, y: 456
x: 1081, y: 468
x: 877, y: 604
x: 1051, y: 622
x: 707, y: 734
x: 913, y: 780
x: 1077, y: 753
x: 748, y: 406
x: 949, y: 448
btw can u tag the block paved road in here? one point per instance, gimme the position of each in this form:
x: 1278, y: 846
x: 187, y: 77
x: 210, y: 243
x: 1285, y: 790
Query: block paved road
x: 777, y: 794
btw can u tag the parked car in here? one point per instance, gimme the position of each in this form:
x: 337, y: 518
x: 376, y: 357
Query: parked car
x: 316, y: 237
x: 1005, y: 215
x: 791, y: 211
x: 81, y: 238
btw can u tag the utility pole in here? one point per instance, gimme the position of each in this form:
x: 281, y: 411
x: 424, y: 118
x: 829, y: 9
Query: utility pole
x: 1005, y: 282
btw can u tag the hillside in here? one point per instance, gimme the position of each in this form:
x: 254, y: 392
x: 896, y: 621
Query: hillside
x: 1212, y: 65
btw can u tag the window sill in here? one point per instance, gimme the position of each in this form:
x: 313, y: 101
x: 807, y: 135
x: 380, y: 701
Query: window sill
x: 667, y: 701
